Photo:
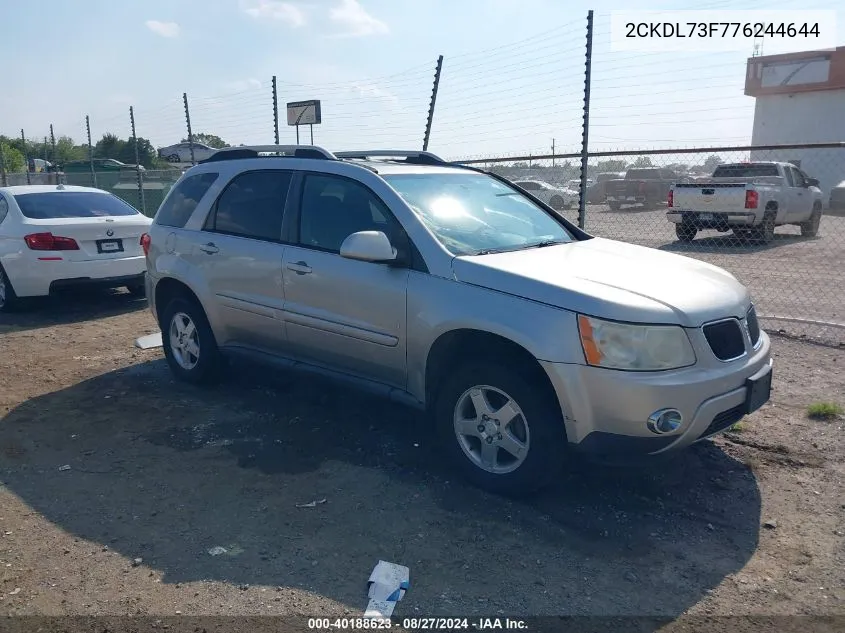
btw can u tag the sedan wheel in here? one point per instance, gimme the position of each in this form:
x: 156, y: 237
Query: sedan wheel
x: 7, y: 293
x: 491, y: 429
x: 174, y: 158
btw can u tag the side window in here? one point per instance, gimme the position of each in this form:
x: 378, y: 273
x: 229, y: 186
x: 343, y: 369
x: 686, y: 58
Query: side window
x: 178, y: 207
x: 787, y: 172
x: 252, y: 205
x: 333, y: 208
x: 4, y: 209
x: 530, y: 186
x: 798, y: 177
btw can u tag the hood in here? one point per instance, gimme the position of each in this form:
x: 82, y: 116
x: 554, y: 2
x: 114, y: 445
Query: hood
x: 612, y: 280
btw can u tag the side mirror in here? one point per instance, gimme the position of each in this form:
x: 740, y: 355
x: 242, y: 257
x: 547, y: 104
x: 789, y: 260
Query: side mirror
x: 368, y: 246
x: 812, y: 182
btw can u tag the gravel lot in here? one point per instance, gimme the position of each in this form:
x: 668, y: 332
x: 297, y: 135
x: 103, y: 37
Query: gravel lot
x: 161, y: 472
x: 792, y: 277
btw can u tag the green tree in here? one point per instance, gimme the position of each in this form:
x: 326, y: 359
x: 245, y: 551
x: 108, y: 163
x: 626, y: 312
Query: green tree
x: 146, y: 153
x: 12, y: 159
x: 67, y: 150
x: 641, y: 162
x: 110, y: 146
x: 212, y: 140
x: 712, y: 162
x: 611, y: 165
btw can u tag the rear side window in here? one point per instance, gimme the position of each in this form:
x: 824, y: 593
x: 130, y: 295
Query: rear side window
x: 72, y: 204
x: 4, y: 209
x: 252, y: 205
x: 178, y: 207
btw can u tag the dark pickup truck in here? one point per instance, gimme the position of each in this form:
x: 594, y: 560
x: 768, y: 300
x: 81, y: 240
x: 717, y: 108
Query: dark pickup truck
x: 648, y: 187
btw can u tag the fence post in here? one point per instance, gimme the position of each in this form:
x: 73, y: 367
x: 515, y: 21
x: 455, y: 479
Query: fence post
x: 275, y: 111
x: 52, y: 145
x: 582, y: 198
x: 433, y: 102
x: 137, y: 161
x: 25, y: 158
x: 90, y: 151
x: 190, y: 134
x: 3, y: 167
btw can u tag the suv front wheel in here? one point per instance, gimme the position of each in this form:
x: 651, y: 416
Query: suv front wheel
x: 503, y: 432
x: 189, y: 345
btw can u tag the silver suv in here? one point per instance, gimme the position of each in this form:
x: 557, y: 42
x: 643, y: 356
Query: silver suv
x: 455, y: 291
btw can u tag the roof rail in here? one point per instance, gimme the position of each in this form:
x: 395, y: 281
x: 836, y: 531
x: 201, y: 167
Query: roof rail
x: 413, y: 156
x: 254, y: 151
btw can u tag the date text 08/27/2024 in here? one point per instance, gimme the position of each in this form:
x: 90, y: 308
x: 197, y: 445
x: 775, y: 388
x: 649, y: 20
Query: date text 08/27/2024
x: 417, y: 624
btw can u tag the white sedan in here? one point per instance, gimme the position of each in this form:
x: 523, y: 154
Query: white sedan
x: 58, y: 236
x: 181, y: 152
x: 555, y: 197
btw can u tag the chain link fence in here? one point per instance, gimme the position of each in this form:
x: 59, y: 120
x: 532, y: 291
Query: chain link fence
x: 786, y: 241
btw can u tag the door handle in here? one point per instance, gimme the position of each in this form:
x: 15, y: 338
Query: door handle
x: 300, y: 268
x: 209, y: 248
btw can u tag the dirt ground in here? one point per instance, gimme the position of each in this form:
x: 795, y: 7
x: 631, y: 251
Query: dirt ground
x: 159, y: 473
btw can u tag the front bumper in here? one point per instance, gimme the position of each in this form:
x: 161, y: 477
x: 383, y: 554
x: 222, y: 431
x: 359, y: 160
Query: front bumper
x: 712, y: 219
x: 606, y: 411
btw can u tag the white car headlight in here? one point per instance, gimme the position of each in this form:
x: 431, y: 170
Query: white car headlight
x: 634, y: 347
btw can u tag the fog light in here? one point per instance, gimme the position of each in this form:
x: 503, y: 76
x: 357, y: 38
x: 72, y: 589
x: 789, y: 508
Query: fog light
x: 665, y: 421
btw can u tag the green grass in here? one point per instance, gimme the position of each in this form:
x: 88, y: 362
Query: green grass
x: 739, y: 427
x: 824, y: 410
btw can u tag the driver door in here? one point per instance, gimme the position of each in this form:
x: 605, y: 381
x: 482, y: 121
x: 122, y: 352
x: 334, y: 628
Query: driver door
x: 340, y: 313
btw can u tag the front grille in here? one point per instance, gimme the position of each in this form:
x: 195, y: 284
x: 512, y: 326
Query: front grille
x: 724, y: 420
x: 725, y: 339
x: 753, y: 325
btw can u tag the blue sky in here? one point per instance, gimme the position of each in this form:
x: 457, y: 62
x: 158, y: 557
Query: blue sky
x: 512, y: 75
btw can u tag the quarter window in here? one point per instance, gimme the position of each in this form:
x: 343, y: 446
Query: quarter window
x: 178, y: 207
x: 4, y: 209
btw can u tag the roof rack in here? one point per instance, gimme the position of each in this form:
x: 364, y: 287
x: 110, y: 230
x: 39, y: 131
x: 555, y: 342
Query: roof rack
x: 417, y: 157
x: 255, y: 151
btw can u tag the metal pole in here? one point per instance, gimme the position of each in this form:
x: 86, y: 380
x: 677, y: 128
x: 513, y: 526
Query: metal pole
x: 53, y: 145
x: 25, y: 158
x: 582, y: 198
x: 433, y: 102
x: 275, y: 111
x: 90, y: 151
x: 45, y: 148
x: 311, y: 125
x: 553, y: 153
x: 190, y: 134
x: 3, y: 167
x: 297, y: 134
x: 137, y: 162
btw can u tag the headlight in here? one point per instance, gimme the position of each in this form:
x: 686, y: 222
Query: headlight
x: 634, y: 347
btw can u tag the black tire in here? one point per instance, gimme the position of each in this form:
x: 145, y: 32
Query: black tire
x: 744, y: 236
x: 685, y: 232
x: 546, y: 436
x: 174, y: 158
x: 765, y: 233
x: 810, y: 228
x: 206, y: 370
x: 8, y: 298
x: 614, y: 206
x: 557, y: 203
x: 137, y: 290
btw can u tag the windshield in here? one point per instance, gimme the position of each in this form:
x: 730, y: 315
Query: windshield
x: 472, y: 214
x: 72, y: 204
x: 749, y: 170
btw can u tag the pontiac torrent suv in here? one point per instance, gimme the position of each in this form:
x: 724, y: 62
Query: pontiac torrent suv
x: 455, y: 291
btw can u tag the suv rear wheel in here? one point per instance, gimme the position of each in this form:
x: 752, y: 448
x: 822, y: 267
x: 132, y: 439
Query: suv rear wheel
x: 189, y: 345
x: 504, y: 433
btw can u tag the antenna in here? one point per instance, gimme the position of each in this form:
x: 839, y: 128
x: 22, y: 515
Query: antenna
x: 758, y: 47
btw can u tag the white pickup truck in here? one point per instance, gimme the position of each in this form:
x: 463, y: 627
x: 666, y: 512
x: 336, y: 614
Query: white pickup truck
x: 750, y: 199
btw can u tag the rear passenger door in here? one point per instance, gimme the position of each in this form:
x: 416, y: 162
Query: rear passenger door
x: 240, y: 256
x: 340, y: 313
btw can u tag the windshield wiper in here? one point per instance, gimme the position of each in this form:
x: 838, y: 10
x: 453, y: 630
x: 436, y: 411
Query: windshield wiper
x: 545, y: 243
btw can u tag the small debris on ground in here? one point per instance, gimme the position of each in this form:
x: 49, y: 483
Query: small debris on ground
x: 65, y: 467
x: 217, y: 551
x: 770, y: 524
x: 311, y: 504
x: 137, y: 561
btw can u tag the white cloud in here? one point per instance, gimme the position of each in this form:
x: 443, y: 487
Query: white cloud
x: 286, y: 12
x: 372, y: 90
x: 242, y: 85
x: 356, y: 21
x: 165, y: 29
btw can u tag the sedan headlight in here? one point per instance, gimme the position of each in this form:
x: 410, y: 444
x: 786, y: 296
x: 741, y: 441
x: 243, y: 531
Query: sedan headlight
x: 634, y: 347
